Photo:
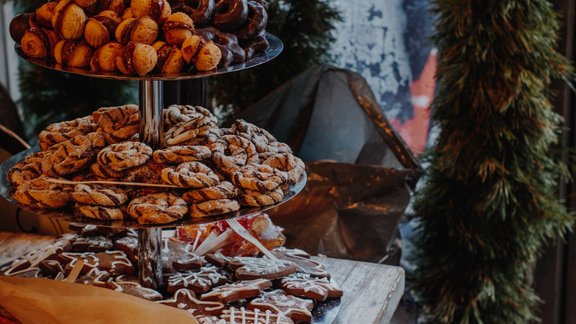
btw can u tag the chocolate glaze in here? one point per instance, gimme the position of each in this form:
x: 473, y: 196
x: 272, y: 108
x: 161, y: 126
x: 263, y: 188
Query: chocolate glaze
x: 227, y: 56
x: 225, y: 39
x: 156, y: 8
x: 60, y: 18
x: 256, y: 46
x: 255, y: 24
x: 163, y: 54
x: 44, y: 38
x: 108, y: 23
x: 201, y: 11
x: 128, y: 57
x: 169, y: 25
x: 126, y: 35
x: 98, y: 6
x: 95, y: 62
x: 67, y: 51
x: 230, y: 14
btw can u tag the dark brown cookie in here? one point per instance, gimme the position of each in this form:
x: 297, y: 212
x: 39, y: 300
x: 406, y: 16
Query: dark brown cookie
x: 254, y: 268
x: 279, y: 302
x: 238, y: 290
x: 303, y: 285
x: 178, y: 256
x: 91, y: 244
x: 129, y: 245
x: 199, y: 281
x: 186, y: 300
x: 242, y: 315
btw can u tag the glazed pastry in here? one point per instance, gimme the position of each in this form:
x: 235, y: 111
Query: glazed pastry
x: 68, y: 20
x: 190, y: 47
x: 100, y: 212
x: 44, y: 14
x: 190, y: 175
x: 230, y: 14
x: 199, y: 10
x: 170, y: 59
x: 125, y: 155
x: 72, y: 54
x: 255, y: 24
x: 177, y: 28
x: 256, y: 46
x: 213, y: 207
x: 208, y: 57
x: 117, y: 6
x: 137, y: 59
x: 159, y: 10
x: 100, y: 29
x: 73, y: 155
x: 104, y: 59
x: 38, y: 43
x: 139, y: 30
x: 85, y: 3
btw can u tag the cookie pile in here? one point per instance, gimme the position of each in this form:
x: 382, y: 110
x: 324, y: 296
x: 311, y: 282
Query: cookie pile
x: 141, y: 37
x: 209, y: 170
x: 214, y: 288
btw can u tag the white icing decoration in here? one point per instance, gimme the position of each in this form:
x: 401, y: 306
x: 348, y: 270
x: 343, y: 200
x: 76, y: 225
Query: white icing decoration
x: 206, y: 277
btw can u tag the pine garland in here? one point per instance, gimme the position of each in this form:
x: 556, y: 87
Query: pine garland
x: 489, y: 205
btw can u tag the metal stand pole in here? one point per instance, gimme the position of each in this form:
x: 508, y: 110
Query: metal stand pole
x: 151, y: 133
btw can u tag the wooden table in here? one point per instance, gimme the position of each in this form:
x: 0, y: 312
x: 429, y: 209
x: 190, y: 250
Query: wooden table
x: 371, y: 291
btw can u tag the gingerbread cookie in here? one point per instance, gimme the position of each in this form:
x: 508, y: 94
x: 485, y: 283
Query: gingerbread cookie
x: 303, y: 285
x: 159, y: 208
x: 190, y: 175
x: 186, y: 300
x: 199, y: 281
x: 256, y: 316
x: 51, y: 267
x: 223, y: 190
x: 279, y: 302
x: 213, y: 207
x: 129, y: 245
x: 253, y: 268
x: 178, y: 256
x: 239, y: 290
x: 133, y: 288
x: 180, y: 154
x: 124, y: 155
x: 114, y: 262
x: 94, y: 277
x: 91, y: 244
x: 302, y: 260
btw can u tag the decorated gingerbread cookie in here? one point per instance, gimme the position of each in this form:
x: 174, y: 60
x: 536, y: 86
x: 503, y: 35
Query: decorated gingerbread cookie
x: 129, y: 245
x: 256, y: 316
x: 178, y: 256
x: 238, y: 290
x: 186, y: 300
x: 130, y: 287
x: 279, y: 302
x: 302, y: 260
x: 94, y: 277
x: 303, y: 285
x: 91, y: 244
x: 200, y: 281
x: 114, y: 262
x: 253, y: 268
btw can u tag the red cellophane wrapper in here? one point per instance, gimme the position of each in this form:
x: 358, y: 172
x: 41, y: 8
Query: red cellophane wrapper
x: 260, y: 226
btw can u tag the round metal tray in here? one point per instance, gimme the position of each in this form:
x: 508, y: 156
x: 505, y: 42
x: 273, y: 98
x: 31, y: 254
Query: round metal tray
x: 68, y: 213
x: 274, y: 49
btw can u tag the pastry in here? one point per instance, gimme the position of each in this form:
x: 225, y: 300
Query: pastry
x: 230, y: 14
x: 178, y: 256
x: 242, y: 315
x: 100, y: 29
x: 73, y: 54
x: 73, y: 155
x: 104, y: 58
x: 27, y: 169
x: 42, y: 194
x: 213, y: 207
x: 133, y: 288
x: 228, y: 43
x: 200, y: 11
x: 177, y: 28
x: 124, y: 155
x: 170, y: 59
x: 176, y: 114
x: 279, y: 302
x: 138, y: 30
x: 44, y: 14
x: 231, y: 152
x: 59, y: 132
x: 38, y: 42
x: 99, y: 195
x: 100, y: 212
x: 186, y: 300
x: 104, y: 173
x: 101, y: 5
x: 179, y: 154
x: 223, y: 190
x: 159, y: 10
x: 260, y: 199
x: 190, y: 175
x: 85, y: 3
x: 118, y: 123
x: 147, y: 173
x: 190, y: 47
x: 291, y: 166
x: 208, y: 57
x: 68, y: 20
x: 255, y: 46
x: 187, y: 131
x: 262, y: 139
x: 255, y: 23
x: 159, y: 208
x: 137, y: 59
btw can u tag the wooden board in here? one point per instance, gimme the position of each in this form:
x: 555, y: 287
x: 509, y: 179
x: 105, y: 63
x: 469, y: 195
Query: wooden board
x: 371, y: 291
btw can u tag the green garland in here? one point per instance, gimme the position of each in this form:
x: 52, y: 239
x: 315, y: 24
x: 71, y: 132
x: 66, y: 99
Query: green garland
x: 489, y: 204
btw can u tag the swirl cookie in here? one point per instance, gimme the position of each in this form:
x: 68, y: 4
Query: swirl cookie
x: 118, y: 123
x: 213, y: 207
x: 43, y: 194
x: 72, y: 155
x: 258, y: 199
x: 262, y: 139
x: 27, y: 169
x: 100, y: 212
x: 231, y: 152
x: 190, y: 175
x: 257, y: 177
x: 66, y: 130
x: 124, y: 155
x: 184, y: 132
x: 102, y: 172
x: 292, y: 167
x: 159, y: 208
x: 176, y: 114
x: 223, y: 190
x: 180, y: 154
x: 99, y: 195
